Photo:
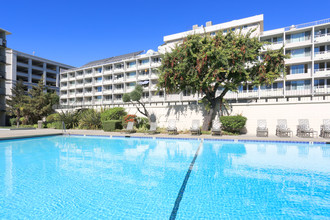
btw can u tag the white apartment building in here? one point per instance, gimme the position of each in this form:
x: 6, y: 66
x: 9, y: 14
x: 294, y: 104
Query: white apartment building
x: 3, y: 63
x: 103, y: 82
x: 30, y: 69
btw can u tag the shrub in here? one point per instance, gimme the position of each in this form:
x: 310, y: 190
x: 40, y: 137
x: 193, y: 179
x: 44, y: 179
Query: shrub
x: 12, y: 121
x: 90, y: 119
x: 53, y: 117
x: 116, y: 113
x: 233, y: 123
x: 56, y: 125
x: 128, y: 118
x: 142, y: 123
x: 112, y: 125
x: 71, y: 119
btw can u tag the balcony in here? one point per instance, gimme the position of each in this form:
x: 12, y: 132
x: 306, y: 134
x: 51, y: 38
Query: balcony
x: 64, y: 79
x: 118, y: 80
x: 118, y: 70
x: 88, y: 93
x: 322, y: 72
x: 80, y: 76
x: 131, y: 68
x: 48, y: 79
x: 79, y: 85
x: 107, y: 101
x: 322, y: 55
x: 118, y: 101
x: 88, y: 83
x: 131, y: 78
x: 22, y: 74
x: 22, y: 64
x: 273, y: 46
x: 303, y: 59
x: 299, y: 92
x: 130, y: 88
x: 107, y: 91
x: 118, y: 91
x: 290, y: 43
x: 271, y: 92
x: 156, y: 64
x: 97, y: 93
x: 322, y: 90
x: 107, y: 82
x: 322, y: 38
x: 298, y: 76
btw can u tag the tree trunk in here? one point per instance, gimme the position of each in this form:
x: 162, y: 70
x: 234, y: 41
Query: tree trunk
x: 211, y: 114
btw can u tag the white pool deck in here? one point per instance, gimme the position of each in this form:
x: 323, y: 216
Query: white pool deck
x: 13, y: 134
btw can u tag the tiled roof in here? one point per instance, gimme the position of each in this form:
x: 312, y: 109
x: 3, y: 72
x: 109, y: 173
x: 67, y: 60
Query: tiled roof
x: 113, y: 59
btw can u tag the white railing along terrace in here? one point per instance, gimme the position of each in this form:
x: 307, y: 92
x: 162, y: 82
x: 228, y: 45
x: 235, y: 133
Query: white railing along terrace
x: 321, y: 35
x: 309, y: 24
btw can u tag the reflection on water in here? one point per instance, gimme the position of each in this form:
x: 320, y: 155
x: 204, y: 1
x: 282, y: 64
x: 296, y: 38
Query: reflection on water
x: 259, y: 180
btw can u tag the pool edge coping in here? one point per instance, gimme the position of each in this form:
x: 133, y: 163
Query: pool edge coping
x: 169, y: 138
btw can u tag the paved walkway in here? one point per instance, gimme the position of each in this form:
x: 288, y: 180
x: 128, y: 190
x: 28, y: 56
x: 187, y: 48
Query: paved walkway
x: 9, y: 134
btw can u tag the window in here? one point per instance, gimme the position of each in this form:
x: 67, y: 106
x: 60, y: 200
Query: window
x: 145, y: 95
x: 298, y: 69
x: 99, y: 79
x: 278, y: 85
x: 319, y: 83
x: 98, y: 70
x: 107, y: 68
x: 212, y: 34
x: 156, y: 59
x: 161, y: 94
x: 108, y: 97
x: 245, y: 27
x: 224, y: 31
x: 302, y: 52
x: 99, y: 89
x: 144, y: 62
x: 131, y: 75
x: 131, y: 64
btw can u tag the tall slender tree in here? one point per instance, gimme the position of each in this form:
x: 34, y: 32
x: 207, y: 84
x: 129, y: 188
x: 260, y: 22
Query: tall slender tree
x: 16, y: 102
x: 212, y: 66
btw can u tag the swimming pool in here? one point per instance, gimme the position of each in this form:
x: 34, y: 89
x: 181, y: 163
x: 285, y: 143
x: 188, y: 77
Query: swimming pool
x: 138, y: 178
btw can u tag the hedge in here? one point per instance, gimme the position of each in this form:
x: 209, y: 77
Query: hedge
x: 112, y: 125
x: 233, y: 123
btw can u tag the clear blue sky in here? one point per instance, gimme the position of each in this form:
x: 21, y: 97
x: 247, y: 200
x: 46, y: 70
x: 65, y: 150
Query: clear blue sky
x: 77, y: 32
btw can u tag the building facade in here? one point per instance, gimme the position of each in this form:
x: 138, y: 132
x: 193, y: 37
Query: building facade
x: 3, y: 64
x: 307, y: 78
x: 31, y: 69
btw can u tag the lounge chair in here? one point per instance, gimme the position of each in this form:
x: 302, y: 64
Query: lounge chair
x: 195, y: 129
x: 282, y: 129
x: 153, y: 128
x: 325, y: 128
x: 262, y: 129
x: 303, y: 129
x: 130, y: 128
x: 216, y: 127
x: 171, y: 128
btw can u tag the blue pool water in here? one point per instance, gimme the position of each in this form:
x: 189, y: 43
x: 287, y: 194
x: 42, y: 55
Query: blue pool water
x: 91, y: 177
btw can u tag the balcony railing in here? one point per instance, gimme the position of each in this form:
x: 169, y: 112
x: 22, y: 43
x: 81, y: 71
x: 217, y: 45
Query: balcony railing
x: 321, y: 70
x: 309, y: 24
x: 321, y: 35
x: 306, y: 38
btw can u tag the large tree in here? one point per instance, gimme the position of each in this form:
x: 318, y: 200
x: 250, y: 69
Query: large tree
x: 214, y: 65
x: 134, y: 97
x: 16, y: 101
x: 41, y: 102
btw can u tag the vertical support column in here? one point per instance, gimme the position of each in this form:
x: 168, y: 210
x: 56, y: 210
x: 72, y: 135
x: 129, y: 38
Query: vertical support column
x: 29, y: 73
x: 312, y: 56
x: 44, y: 74
x: 284, y: 87
x: 57, y: 76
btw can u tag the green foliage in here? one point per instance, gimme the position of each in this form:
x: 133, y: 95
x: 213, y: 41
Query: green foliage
x: 90, y: 119
x: 56, y: 125
x: 126, y: 97
x: 17, y: 101
x: 142, y: 122
x: 233, y: 124
x: 112, y: 125
x: 206, y: 64
x: 12, y: 121
x: 135, y: 96
x: 116, y: 113
x: 71, y: 119
x: 53, y: 117
x: 34, y: 105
